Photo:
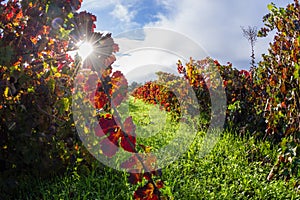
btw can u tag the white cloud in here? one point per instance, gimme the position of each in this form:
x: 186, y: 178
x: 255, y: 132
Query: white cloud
x: 168, y: 4
x: 96, y: 4
x: 158, y: 51
x: 216, y: 26
x: 121, y: 13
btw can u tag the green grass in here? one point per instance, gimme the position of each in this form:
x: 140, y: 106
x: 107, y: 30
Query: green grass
x: 235, y: 169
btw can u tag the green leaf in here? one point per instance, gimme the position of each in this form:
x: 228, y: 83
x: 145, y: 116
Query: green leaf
x: 64, y: 33
x: 70, y: 15
x: 51, y: 85
x: 47, y: 7
x: 63, y: 105
x: 66, y: 104
x: 296, y: 72
x: 270, y: 6
x: 30, y: 90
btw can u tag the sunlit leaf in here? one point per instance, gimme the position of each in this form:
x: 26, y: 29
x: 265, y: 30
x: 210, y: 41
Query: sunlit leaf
x: 146, y: 192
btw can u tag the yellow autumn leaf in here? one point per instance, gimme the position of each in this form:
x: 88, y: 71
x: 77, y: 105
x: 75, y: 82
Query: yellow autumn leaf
x: 6, y: 92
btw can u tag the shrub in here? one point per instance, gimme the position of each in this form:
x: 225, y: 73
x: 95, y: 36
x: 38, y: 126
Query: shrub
x: 241, y: 93
x: 278, y: 76
x: 38, y: 136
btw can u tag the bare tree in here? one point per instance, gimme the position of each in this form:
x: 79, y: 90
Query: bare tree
x: 250, y: 33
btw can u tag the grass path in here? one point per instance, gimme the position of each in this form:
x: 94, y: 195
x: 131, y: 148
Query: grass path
x: 235, y: 169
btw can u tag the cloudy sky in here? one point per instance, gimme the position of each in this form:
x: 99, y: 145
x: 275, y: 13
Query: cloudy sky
x: 215, y: 25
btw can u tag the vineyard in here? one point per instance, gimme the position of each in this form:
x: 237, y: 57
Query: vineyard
x: 73, y: 127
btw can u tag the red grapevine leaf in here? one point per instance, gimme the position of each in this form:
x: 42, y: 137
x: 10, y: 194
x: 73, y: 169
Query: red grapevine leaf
x: 76, y: 4
x: 93, y: 17
x: 93, y: 26
x: 150, y: 161
x: 100, y: 99
x: 19, y: 15
x: 225, y: 83
x: 282, y: 88
x: 118, y: 79
x: 147, y: 176
x: 146, y: 193
x: 117, y: 99
x: 108, y: 148
x: 10, y: 15
x: 159, y: 184
x: 245, y: 73
x: 34, y: 40
x: 217, y: 63
x: 115, y: 136
x: 99, y: 131
x: 284, y: 72
x: 128, y: 144
x: 115, y: 48
x: 110, y: 145
x: 134, y: 178
x: 91, y: 83
x: 119, y: 87
x: 129, y: 126
x: 109, y: 60
x: 108, y: 124
x: 130, y: 163
x: 283, y: 105
x: 180, y: 67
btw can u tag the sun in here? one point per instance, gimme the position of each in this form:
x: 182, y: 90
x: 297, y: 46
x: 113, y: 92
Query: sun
x: 85, y: 49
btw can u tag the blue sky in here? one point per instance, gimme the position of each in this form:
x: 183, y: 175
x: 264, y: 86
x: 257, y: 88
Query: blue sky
x: 213, y: 24
x: 117, y: 16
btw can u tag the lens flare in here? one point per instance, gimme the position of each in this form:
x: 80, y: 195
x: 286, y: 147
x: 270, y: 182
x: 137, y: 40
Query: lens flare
x: 85, y: 49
